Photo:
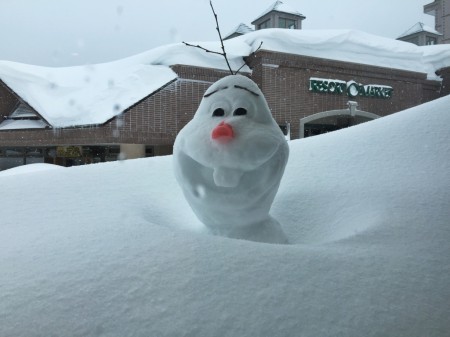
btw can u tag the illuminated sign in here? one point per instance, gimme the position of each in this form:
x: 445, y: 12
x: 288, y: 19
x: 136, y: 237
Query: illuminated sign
x: 351, y: 88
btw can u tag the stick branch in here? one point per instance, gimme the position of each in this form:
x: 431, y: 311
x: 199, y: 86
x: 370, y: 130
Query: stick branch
x: 242, y: 66
x: 220, y: 37
x: 223, y: 53
x: 200, y: 47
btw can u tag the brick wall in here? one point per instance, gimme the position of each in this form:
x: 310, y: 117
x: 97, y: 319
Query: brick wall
x: 284, y: 79
x: 7, y: 101
x: 155, y: 120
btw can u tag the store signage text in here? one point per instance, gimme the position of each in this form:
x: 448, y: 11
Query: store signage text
x: 351, y: 88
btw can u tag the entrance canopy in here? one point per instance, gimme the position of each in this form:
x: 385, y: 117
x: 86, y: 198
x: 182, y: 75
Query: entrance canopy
x: 332, y: 120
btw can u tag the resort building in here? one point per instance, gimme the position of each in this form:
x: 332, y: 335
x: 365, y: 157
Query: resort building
x: 314, y: 83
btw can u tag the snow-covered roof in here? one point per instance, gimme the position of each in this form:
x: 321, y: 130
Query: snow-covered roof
x: 419, y: 27
x: 84, y: 94
x: 241, y: 29
x: 279, y: 6
x: 93, y: 94
x: 352, y: 46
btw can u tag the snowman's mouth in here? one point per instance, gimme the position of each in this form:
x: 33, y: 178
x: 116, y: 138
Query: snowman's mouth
x: 227, y: 177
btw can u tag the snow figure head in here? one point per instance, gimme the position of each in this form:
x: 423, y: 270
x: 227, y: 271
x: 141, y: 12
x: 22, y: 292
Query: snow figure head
x: 229, y: 160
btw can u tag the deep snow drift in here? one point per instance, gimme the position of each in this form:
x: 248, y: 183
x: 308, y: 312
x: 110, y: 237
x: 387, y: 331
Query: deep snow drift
x: 114, y: 250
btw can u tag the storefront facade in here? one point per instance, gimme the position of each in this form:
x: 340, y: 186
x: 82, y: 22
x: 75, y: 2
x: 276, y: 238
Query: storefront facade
x: 307, y: 95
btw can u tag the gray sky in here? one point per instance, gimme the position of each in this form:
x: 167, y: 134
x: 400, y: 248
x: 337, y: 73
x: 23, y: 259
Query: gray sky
x: 76, y: 32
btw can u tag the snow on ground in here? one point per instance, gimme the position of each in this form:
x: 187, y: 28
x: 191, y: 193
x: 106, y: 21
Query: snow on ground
x: 113, y: 249
x: 32, y: 168
x: 93, y: 94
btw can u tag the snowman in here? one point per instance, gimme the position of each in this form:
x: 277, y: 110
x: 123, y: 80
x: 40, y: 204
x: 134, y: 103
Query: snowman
x: 229, y: 160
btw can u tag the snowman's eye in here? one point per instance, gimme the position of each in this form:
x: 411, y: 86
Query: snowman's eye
x: 240, y: 112
x: 219, y: 112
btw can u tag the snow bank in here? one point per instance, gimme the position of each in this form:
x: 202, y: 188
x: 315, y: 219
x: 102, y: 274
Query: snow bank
x: 29, y: 169
x: 93, y: 94
x: 120, y: 253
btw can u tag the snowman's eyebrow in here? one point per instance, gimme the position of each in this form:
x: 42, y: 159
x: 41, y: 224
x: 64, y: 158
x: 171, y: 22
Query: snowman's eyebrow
x: 244, y: 88
x: 213, y: 92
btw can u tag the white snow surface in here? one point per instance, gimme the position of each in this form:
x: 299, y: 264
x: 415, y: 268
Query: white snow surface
x: 83, y: 95
x: 93, y: 94
x: 32, y: 168
x: 114, y: 250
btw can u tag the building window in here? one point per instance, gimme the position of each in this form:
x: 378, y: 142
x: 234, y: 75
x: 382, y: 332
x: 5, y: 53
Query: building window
x: 265, y: 24
x: 286, y: 23
x: 414, y: 40
x: 431, y: 40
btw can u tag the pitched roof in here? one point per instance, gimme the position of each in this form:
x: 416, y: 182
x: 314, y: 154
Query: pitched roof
x: 83, y: 95
x: 280, y: 6
x: 241, y: 29
x: 419, y: 27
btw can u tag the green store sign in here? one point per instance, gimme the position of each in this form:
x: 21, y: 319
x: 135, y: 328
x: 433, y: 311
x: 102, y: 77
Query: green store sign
x: 351, y: 88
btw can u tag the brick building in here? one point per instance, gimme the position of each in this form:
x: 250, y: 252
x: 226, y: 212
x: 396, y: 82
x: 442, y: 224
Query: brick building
x: 294, y: 87
x: 313, y: 82
x: 308, y: 95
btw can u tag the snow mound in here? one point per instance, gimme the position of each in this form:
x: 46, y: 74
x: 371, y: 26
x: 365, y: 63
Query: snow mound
x: 113, y: 249
x: 31, y: 168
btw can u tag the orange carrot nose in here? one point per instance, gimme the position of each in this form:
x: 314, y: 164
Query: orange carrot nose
x: 222, y: 132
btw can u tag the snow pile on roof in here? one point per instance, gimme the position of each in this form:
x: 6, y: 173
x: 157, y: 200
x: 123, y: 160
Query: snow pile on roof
x: 365, y: 209
x: 353, y: 46
x: 279, y: 6
x: 93, y: 94
x: 419, y: 27
x: 84, y: 94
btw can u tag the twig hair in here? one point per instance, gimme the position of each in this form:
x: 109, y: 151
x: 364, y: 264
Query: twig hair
x: 223, y: 53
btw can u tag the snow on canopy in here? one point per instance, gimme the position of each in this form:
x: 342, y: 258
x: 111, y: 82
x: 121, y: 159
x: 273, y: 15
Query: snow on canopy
x: 366, y: 210
x: 93, y: 94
